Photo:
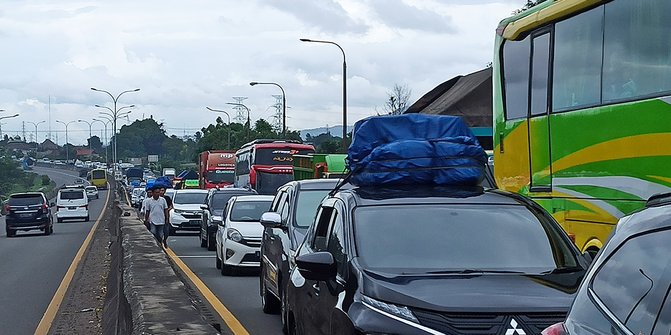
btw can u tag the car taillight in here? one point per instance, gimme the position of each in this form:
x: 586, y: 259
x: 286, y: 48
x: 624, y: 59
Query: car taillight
x: 555, y: 329
x: 7, y: 208
x: 45, y: 207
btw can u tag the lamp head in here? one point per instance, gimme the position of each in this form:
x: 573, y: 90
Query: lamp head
x: 305, y: 40
x: 253, y: 83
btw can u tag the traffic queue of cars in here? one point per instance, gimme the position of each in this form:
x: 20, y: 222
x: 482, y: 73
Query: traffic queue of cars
x: 32, y: 210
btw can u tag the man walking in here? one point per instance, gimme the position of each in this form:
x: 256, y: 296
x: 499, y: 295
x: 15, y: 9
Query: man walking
x: 156, y: 214
x: 166, y: 227
x: 143, y: 208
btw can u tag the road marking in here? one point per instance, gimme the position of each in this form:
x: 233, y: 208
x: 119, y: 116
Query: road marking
x: 50, y: 314
x: 233, y: 323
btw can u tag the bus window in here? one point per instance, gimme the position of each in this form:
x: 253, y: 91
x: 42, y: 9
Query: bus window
x: 516, y: 78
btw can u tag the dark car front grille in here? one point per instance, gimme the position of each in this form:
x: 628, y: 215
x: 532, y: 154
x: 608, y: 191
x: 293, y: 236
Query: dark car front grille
x: 250, y: 258
x: 485, y: 323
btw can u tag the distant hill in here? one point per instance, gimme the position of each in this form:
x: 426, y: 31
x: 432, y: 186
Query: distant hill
x: 335, y: 131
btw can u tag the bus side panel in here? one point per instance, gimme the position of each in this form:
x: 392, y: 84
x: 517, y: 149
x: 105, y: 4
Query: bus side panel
x: 511, y: 165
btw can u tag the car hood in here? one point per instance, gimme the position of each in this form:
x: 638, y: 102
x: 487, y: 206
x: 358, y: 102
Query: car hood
x: 247, y: 229
x: 480, y: 292
x: 187, y: 207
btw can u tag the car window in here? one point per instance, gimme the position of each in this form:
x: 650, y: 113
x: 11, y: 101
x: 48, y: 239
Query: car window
x: 189, y: 198
x: 634, y: 282
x: 278, y: 200
x: 585, y: 318
x: 284, y: 208
x: 336, y: 243
x: 433, y: 238
x: 249, y: 211
x: 219, y: 200
x: 72, y: 195
x: 306, y: 206
x: 25, y: 200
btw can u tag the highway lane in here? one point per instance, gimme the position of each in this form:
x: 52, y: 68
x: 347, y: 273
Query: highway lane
x: 239, y: 293
x: 33, y: 265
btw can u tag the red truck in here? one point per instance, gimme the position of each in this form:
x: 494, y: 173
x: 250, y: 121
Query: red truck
x: 216, y: 168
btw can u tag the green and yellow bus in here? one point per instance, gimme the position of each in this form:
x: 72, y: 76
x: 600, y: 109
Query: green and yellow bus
x: 582, y: 110
x: 98, y: 178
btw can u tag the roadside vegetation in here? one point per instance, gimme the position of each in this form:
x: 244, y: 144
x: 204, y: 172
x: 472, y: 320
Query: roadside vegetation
x: 14, y: 180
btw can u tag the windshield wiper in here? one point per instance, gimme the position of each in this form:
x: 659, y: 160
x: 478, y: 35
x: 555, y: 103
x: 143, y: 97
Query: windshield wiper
x: 563, y: 269
x: 470, y: 271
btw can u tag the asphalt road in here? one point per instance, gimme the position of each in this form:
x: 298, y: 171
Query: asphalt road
x: 33, y: 265
x: 239, y: 293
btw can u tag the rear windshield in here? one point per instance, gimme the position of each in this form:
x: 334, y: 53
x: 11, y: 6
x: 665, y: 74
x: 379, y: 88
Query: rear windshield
x: 189, y: 198
x: 98, y: 174
x: 219, y: 200
x: 434, y: 238
x: 91, y: 188
x: 72, y: 195
x: 249, y: 211
x: 26, y: 200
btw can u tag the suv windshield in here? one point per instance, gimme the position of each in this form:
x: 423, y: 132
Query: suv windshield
x: 25, y: 200
x: 249, y: 211
x: 443, y: 238
x: 306, y: 207
x: 72, y: 195
x: 189, y: 198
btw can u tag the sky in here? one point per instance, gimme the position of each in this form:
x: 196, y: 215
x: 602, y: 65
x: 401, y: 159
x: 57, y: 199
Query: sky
x: 186, y: 55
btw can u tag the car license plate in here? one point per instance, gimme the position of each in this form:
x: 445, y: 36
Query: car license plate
x: 26, y: 215
x: 72, y: 208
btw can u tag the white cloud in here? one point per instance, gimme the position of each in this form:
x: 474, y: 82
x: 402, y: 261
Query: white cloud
x: 190, y: 54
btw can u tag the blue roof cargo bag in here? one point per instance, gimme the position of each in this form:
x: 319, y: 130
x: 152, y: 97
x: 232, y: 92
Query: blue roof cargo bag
x: 415, y: 149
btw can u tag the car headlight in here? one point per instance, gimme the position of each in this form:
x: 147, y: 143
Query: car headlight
x: 234, y: 235
x: 399, y: 311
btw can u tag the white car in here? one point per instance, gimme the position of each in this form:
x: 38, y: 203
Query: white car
x: 91, y: 192
x: 239, y: 235
x: 72, y: 203
x: 137, y: 195
x: 186, y: 213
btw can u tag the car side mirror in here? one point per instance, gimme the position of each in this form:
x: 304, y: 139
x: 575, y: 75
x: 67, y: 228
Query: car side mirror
x: 205, y: 207
x: 588, y: 257
x: 271, y: 220
x: 316, y: 266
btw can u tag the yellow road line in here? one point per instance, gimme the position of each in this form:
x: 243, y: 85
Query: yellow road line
x: 218, y: 306
x: 50, y: 314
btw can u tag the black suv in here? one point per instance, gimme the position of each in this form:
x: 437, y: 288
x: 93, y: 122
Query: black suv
x: 213, y: 210
x: 432, y: 260
x: 291, y: 214
x: 28, y: 211
x: 626, y: 291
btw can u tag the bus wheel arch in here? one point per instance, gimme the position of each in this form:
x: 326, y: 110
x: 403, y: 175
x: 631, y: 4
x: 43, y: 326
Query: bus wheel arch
x: 592, y: 247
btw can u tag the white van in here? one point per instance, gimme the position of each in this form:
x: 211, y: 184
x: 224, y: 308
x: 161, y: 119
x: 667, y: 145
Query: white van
x: 72, y: 203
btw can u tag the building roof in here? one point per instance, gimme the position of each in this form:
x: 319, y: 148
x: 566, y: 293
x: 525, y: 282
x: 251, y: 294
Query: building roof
x: 468, y: 96
x: 48, y: 144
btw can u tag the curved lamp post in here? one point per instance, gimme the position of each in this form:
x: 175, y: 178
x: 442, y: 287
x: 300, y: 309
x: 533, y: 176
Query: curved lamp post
x: 67, y: 152
x: 344, y: 88
x: 115, y: 113
x: 37, y: 140
x: 5, y: 117
x: 105, y: 121
x: 249, y: 122
x: 284, y: 104
x: 229, y: 123
x: 90, y: 126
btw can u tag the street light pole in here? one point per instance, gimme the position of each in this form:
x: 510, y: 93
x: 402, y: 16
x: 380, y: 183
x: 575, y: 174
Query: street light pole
x: 5, y: 117
x: 67, y: 152
x: 249, y: 122
x: 90, y: 126
x: 229, y: 124
x: 115, y: 112
x: 344, y: 88
x: 37, y: 140
x: 284, y: 105
x: 107, y: 160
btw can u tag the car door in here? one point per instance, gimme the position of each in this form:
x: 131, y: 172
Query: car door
x: 272, y: 245
x: 308, y: 295
x: 331, y: 291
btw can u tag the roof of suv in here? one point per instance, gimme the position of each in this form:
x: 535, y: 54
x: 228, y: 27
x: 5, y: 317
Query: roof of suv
x: 317, y: 184
x: 26, y: 195
x: 399, y: 195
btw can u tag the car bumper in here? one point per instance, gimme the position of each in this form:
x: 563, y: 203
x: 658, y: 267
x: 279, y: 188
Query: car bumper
x: 72, y: 213
x: 243, y: 255
x: 179, y: 222
x: 40, y: 223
